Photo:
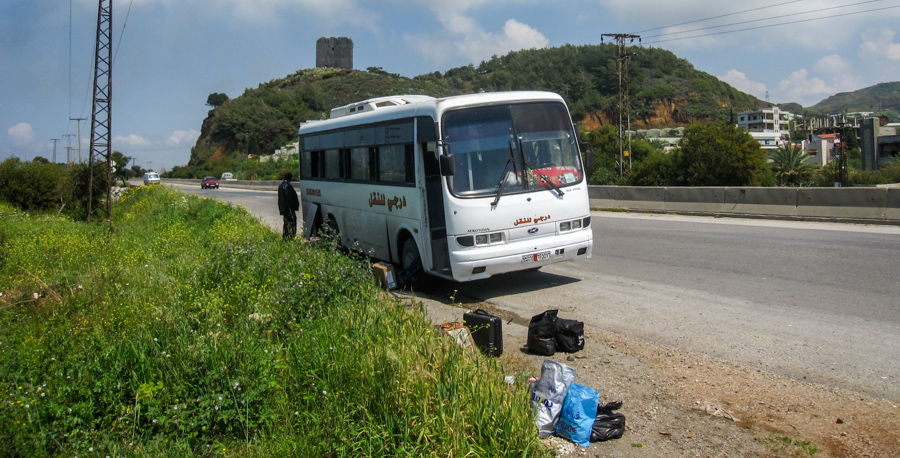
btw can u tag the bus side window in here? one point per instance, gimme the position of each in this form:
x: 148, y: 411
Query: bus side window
x: 332, y: 164
x: 409, y: 163
x: 430, y: 159
x: 304, y: 164
x: 373, y: 164
x: 345, y: 164
x: 359, y: 164
x: 392, y: 163
x: 316, y: 159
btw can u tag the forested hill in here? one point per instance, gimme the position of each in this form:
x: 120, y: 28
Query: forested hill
x: 883, y: 98
x: 664, y: 90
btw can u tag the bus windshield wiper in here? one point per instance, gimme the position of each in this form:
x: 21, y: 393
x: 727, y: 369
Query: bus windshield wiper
x: 502, y: 183
x: 528, y: 166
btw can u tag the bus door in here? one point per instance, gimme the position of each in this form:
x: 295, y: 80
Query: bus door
x: 434, y: 196
x: 434, y: 199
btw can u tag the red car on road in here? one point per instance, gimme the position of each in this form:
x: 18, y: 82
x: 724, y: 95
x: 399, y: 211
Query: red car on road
x: 209, y: 182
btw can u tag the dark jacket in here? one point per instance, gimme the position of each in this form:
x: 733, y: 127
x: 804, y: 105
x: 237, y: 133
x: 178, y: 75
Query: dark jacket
x: 287, y: 198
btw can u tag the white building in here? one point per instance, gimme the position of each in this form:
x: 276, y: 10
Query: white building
x: 769, y: 126
x: 822, y: 148
x: 282, y: 153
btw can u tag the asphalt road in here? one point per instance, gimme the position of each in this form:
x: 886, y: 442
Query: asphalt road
x: 817, y: 302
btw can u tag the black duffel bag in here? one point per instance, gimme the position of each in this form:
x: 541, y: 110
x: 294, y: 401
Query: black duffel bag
x: 542, y: 333
x: 569, y: 335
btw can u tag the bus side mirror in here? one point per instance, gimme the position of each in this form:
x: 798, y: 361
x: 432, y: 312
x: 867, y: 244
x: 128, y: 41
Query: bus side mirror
x: 588, y: 158
x: 448, y: 166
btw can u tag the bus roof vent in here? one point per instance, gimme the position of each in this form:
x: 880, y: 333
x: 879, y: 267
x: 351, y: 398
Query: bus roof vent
x: 376, y: 104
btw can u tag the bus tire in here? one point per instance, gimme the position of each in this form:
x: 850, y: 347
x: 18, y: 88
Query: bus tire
x: 412, y: 274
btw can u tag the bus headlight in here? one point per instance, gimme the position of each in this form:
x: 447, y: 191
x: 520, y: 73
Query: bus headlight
x: 466, y: 241
x: 480, y: 239
x: 574, y: 224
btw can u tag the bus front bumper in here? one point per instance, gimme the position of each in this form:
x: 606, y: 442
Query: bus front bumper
x: 482, y: 262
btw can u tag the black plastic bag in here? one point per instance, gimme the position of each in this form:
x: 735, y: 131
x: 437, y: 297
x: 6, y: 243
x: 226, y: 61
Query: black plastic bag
x: 608, y: 424
x: 542, y: 333
x: 569, y: 335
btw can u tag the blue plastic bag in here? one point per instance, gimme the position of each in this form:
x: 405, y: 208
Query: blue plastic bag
x: 578, y: 414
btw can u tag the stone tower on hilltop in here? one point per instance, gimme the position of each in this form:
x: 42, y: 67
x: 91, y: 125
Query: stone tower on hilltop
x: 334, y: 52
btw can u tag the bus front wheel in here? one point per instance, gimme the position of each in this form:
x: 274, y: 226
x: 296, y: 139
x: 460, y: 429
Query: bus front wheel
x: 412, y: 274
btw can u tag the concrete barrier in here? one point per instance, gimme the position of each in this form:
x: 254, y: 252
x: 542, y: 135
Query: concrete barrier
x: 640, y: 197
x: 892, y: 210
x: 868, y: 203
x: 761, y: 201
x: 260, y: 185
x: 705, y: 200
x: 603, y: 196
x: 858, y: 204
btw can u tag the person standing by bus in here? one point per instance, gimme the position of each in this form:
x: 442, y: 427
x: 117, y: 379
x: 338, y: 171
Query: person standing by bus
x: 288, y: 204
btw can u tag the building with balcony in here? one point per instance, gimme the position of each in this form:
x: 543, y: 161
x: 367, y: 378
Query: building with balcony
x: 769, y: 126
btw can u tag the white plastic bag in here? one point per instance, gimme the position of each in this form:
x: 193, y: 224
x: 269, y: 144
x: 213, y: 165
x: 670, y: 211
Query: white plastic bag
x: 548, y: 394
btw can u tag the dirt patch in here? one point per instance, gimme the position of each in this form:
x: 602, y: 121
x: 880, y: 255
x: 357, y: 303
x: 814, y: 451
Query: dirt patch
x: 679, y: 403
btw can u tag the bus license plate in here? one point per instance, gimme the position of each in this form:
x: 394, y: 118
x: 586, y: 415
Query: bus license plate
x: 536, y: 257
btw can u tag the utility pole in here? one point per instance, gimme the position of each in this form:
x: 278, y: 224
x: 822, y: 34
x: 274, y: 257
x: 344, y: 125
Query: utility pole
x: 101, y: 119
x: 624, y: 107
x: 54, y: 140
x: 844, y: 176
x: 69, y: 158
x: 79, y: 136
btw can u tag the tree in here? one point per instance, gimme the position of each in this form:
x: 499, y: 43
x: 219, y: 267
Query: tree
x: 216, y: 99
x: 120, y: 163
x: 791, y: 166
x: 719, y: 154
x: 657, y: 169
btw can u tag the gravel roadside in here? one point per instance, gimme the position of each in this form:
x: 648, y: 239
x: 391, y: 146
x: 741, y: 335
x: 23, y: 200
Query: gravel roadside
x: 679, y: 403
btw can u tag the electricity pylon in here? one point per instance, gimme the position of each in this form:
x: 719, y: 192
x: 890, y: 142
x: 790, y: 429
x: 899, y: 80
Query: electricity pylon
x: 101, y: 120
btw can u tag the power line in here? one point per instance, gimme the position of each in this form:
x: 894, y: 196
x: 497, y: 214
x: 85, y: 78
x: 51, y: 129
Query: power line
x: 773, y: 25
x: 121, y: 34
x: 760, y: 20
x: 719, y: 16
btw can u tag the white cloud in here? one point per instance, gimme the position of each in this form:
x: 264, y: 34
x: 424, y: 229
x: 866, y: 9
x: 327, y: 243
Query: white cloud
x: 800, y: 87
x: 131, y: 140
x: 21, y: 133
x: 183, y: 137
x: 464, y: 38
x: 879, y: 44
x: 740, y: 82
x: 815, y: 25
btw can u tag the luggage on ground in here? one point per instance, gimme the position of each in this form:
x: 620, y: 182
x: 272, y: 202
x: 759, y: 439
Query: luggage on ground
x: 487, y: 331
x: 569, y: 335
x: 542, y: 333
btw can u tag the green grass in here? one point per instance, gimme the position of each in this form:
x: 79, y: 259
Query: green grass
x: 789, y: 446
x: 186, y: 328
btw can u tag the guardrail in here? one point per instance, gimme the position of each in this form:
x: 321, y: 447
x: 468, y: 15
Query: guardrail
x: 858, y: 204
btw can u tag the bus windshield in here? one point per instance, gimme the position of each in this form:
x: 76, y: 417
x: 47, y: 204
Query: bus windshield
x: 526, y: 147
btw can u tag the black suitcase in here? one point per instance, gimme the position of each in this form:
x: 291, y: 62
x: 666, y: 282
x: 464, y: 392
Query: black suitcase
x: 487, y: 331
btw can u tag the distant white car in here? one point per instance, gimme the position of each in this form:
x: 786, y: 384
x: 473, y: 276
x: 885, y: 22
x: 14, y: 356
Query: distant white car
x: 151, y: 178
x: 227, y: 177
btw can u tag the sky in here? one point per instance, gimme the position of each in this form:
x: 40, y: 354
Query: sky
x: 169, y: 55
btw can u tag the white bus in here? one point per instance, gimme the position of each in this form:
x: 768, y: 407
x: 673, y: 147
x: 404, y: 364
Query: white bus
x: 461, y: 187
